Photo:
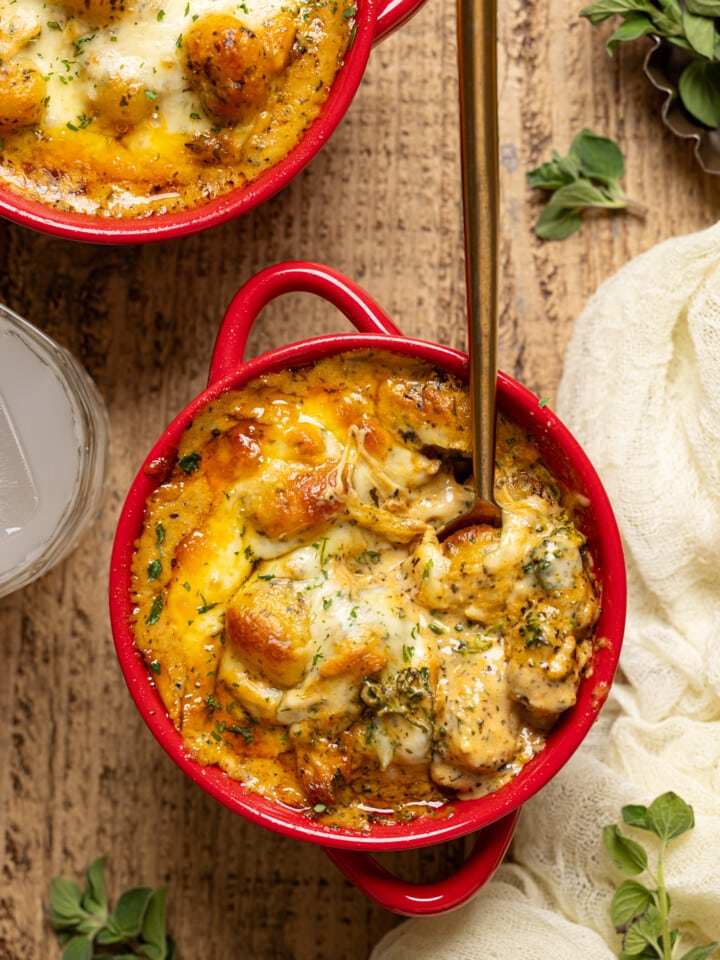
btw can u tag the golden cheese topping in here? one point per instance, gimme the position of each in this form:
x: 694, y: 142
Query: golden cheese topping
x: 128, y: 107
x: 306, y: 629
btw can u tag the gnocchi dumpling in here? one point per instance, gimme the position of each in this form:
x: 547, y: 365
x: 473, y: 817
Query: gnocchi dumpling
x: 22, y: 95
x: 231, y: 66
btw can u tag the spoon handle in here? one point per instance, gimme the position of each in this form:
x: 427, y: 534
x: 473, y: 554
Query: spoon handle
x: 477, y: 68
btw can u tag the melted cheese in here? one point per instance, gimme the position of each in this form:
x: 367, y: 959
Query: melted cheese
x: 305, y: 627
x: 111, y: 115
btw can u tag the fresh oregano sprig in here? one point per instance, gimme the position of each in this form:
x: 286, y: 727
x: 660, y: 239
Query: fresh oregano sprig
x: 690, y: 25
x: 639, y: 912
x: 588, y: 177
x: 89, y: 930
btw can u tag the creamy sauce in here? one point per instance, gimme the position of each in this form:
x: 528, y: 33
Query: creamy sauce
x: 127, y: 108
x: 309, y: 633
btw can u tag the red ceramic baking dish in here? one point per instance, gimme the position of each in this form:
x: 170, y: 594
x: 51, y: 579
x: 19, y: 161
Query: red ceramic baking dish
x: 375, y: 19
x: 493, y: 817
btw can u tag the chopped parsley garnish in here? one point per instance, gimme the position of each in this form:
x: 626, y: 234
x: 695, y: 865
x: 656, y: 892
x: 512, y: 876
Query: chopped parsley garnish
x: 190, y: 463
x: 155, y: 610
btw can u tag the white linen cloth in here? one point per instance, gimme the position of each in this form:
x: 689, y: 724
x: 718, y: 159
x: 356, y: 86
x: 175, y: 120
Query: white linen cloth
x: 641, y: 392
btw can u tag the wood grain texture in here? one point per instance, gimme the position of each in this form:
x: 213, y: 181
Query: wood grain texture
x: 79, y: 774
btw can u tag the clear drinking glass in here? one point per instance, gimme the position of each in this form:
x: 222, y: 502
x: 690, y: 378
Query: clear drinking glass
x: 53, y: 452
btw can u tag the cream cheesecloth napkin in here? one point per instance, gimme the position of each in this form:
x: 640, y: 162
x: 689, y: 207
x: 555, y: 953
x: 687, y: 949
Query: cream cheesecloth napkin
x: 641, y: 392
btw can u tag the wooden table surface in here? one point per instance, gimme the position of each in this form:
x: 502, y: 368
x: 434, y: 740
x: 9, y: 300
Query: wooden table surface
x: 80, y: 776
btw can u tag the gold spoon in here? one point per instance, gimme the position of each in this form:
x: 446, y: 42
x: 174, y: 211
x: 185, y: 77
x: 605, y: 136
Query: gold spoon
x: 477, y: 70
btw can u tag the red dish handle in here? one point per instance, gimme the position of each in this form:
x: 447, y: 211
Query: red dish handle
x: 292, y: 277
x: 417, y: 899
x: 392, y: 14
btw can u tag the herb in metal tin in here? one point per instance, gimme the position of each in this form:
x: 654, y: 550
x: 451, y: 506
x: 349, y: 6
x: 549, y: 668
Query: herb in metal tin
x: 690, y: 25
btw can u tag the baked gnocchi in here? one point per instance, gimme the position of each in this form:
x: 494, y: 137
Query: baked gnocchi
x: 309, y: 633
x: 125, y: 108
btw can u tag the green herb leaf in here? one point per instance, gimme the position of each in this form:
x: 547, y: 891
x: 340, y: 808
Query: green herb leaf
x: 135, y: 928
x: 630, y: 901
x: 548, y: 176
x: 190, y: 463
x: 699, y: 89
x: 582, y: 193
x: 159, y: 537
x: 701, y: 953
x: 649, y: 954
x: 66, y: 909
x: 690, y: 26
x: 700, y: 32
x: 587, y: 177
x: 670, y: 816
x: 154, y: 945
x: 600, y: 158
x: 602, y: 9
x: 627, y: 855
x: 644, y: 932
x: 556, y: 223
x: 95, y: 897
x: 642, y: 914
x: 635, y: 815
x: 130, y: 910
x: 704, y: 8
x: 79, y: 948
x: 633, y: 26
x: 155, y: 610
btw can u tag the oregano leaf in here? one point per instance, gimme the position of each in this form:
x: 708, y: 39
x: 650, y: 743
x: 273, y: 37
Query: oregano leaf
x: 600, y: 158
x: 670, y: 816
x: 65, y: 906
x: 569, y: 166
x: 630, y: 901
x: 548, y: 176
x: 110, y: 932
x: 635, y: 815
x: 704, y: 8
x: 602, y: 9
x: 79, y: 948
x: 627, y: 855
x: 633, y: 26
x: 581, y: 193
x: 589, y: 176
x: 94, y: 899
x: 699, y: 89
x: 154, y: 945
x: 648, y: 954
x: 644, y: 932
x: 557, y: 223
x: 700, y: 32
x: 130, y: 910
x: 701, y: 953
x: 135, y: 929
